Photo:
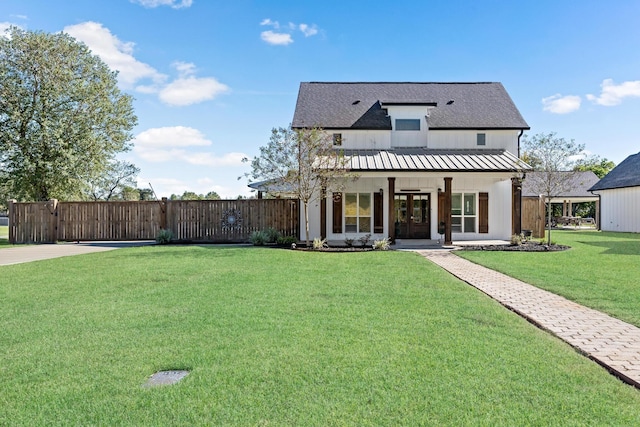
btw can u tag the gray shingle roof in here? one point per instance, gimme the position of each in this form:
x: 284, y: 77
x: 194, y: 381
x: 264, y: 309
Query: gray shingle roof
x: 579, y: 183
x: 626, y: 174
x: 422, y: 159
x: 333, y: 105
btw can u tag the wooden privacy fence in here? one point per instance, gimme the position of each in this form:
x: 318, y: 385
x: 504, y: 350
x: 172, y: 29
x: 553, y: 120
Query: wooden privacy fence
x: 212, y: 221
x: 533, y: 215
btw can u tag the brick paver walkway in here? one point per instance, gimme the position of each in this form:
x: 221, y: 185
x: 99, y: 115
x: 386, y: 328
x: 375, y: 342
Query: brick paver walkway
x: 611, y: 342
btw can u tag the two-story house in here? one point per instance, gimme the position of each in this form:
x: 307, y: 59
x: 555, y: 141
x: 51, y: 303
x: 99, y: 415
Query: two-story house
x: 433, y: 159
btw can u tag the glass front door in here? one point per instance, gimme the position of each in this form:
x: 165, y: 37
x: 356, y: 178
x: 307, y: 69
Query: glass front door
x: 412, y: 216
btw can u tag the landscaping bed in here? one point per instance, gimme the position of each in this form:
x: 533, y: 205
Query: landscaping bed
x: 523, y: 247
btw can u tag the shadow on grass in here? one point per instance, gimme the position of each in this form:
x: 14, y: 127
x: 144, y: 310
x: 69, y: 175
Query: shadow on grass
x: 616, y: 247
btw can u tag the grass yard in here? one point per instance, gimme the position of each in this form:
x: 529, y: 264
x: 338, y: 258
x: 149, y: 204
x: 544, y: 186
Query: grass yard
x: 601, y: 270
x: 277, y: 337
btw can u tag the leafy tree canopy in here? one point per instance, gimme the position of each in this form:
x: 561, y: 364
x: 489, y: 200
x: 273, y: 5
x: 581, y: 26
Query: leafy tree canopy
x: 596, y: 164
x: 115, y: 183
x: 62, y: 116
x: 190, y: 195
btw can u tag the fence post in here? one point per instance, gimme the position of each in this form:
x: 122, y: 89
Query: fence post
x: 12, y: 214
x: 163, y: 214
x: 53, y: 221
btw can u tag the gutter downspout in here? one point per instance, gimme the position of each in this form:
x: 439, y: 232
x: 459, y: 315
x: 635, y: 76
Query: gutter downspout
x: 519, y: 136
x: 598, y: 210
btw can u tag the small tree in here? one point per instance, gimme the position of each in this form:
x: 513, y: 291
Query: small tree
x: 301, y: 163
x: 554, y: 160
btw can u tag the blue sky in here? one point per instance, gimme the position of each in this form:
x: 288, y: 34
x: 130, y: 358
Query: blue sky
x: 211, y: 78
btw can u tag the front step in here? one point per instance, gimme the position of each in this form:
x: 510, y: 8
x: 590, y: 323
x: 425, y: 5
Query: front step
x: 416, y: 243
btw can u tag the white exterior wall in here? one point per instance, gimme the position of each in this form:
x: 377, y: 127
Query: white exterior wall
x: 467, y: 139
x: 436, y: 139
x: 498, y: 185
x: 365, y: 139
x: 408, y: 138
x: 619, y: 209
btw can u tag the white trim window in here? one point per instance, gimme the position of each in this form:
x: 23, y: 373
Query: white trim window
x: 463, y: 213
x: 357, y: 212
x: 407, y: 124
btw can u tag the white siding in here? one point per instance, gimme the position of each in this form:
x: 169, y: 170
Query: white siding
x: 497, y: 185
x: 620, y: 209
x: 467, y: 139
x: 365, y: 139
x: 408, y: 138
x: 436, y: 139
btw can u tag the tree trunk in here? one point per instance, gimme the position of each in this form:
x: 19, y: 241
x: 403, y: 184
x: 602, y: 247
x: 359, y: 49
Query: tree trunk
x: 548, y: 221
x: 306, y: 222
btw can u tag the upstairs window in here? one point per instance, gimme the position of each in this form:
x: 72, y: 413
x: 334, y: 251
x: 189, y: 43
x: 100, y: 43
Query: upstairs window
x: 337, y: 139
x: 481, y: 139
x: 407, y: 124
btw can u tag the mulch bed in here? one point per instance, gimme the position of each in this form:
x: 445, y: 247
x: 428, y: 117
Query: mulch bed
x: 524, y: 247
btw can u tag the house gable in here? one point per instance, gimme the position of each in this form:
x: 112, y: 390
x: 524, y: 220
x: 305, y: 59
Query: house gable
x: 626, y: 174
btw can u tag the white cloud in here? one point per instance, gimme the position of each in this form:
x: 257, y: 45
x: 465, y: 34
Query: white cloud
x: 173, y: 143
x: 284, y: 35
x: 613, y: 94
x: 267, y: 21
x: 133, y: 74
x: 173, y: 3
x: 308, y: 31
x: 281, y: 39
x: 172, y: 136
x: 4, y: 26
x: 187, y: 89
x: 118, y: 55
x: 559, y: 104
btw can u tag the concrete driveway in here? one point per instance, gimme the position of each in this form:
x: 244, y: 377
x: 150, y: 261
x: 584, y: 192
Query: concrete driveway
x: 19, y: 254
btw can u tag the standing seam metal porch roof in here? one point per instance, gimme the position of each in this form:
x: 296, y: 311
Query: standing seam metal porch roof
x: 423, y: 159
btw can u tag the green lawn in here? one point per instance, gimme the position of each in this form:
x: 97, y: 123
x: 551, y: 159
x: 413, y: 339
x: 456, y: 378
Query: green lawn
x: 602, y: 270
x: 277, y: 337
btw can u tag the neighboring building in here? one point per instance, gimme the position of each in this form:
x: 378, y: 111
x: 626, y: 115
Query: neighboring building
x: 533, y: 203
x: 431, y: 157
x: 619, y: 193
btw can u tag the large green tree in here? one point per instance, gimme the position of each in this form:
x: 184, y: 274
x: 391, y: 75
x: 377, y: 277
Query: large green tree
x: 62, y: 116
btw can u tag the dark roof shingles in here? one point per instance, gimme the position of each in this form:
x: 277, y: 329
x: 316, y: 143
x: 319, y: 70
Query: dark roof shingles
x: 580, y: 183
x: 626, y: 174
x: 333, y: 105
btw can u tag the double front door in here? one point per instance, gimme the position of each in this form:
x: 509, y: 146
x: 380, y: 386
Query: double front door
x: 412, y: 213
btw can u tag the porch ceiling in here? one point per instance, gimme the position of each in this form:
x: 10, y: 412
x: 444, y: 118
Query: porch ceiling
x: 421, y: 159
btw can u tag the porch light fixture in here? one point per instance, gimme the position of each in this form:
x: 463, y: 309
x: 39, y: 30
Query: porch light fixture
x: 380, y: 191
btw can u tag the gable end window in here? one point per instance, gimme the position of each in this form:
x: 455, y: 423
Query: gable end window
x: 481, y: 139
x: 407, y: 124
x: 337, y: 139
